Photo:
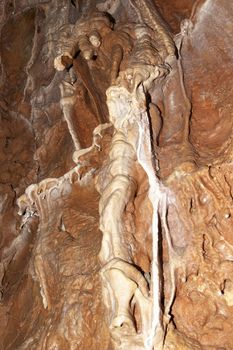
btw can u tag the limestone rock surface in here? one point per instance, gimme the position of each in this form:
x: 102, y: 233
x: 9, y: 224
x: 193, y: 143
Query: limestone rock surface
x: 116, y: 180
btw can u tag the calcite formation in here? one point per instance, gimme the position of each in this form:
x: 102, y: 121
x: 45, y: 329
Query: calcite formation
x: 116, y: 170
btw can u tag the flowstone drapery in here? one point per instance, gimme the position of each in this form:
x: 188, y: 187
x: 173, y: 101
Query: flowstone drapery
x: 140, y: 57
x: 133, y: 302
x: 120, y: 161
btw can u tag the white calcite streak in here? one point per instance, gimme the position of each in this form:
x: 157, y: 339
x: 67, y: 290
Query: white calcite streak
x: 145, y: 159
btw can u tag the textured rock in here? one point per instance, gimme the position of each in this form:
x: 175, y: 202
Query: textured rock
x: 116, y: 175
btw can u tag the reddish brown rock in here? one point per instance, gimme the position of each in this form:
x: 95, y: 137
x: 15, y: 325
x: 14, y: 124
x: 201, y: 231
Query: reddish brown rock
x: 59, y: 169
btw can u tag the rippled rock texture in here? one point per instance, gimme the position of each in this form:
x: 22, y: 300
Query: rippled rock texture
x: 116, y: 177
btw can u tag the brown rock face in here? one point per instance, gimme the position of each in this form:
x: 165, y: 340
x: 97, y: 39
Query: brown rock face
x: 116, y: 180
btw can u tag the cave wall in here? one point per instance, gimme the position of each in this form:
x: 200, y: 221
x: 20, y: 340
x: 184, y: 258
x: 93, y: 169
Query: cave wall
x: 116, y: 192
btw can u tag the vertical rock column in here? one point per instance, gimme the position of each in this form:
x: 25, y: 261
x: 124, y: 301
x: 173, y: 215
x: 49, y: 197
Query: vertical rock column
x: 124, y: 286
